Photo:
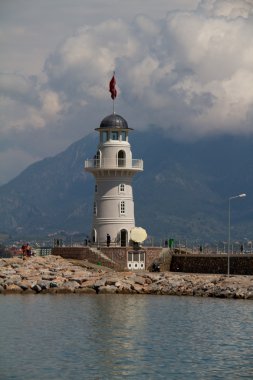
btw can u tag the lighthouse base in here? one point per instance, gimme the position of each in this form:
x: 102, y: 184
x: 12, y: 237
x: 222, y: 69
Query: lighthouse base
x: 117, y: 258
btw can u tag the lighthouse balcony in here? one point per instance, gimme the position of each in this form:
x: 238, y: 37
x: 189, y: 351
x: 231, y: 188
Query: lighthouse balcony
x: 108, y: 163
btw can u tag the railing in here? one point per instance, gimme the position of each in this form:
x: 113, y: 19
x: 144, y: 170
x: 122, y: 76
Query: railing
x: 109, y: 163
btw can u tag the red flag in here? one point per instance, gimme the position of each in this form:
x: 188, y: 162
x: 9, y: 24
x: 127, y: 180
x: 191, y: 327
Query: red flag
x: 112, y: 88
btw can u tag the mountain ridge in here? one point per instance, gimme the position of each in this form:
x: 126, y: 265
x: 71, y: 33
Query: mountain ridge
x: 183, y: 191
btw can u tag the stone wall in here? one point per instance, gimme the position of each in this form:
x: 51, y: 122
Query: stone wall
x: 218, y: 264
x: 153, y: 254
x: 188, y: 263
x: 84, y: 253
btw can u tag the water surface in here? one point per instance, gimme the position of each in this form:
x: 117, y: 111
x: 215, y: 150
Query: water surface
x: 124, y: 336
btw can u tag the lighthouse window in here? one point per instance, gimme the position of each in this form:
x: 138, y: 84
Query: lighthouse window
x: 123, y: 135
x: 121, y: 158
x: 122, y: 207
x: 104, y: 136
x: 96, y: 188
x: 95, y: 208
x: 122, y: 187
x: 97, y: 159
x: 115, y: 135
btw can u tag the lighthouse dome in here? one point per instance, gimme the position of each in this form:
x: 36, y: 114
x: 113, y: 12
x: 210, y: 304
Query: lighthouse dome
x: 114, y: 121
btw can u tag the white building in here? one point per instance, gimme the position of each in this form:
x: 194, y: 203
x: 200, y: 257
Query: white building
x: 113, y: 169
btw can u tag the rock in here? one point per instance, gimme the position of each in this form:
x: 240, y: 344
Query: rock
x: 111, y: 281
x: 153, y: 289
x: 70, y: 285
x: 23, y: 285
x: 13, y: 279
x: 100, y: 282
x: 44, y: 284
x: 8, y: 272
x: 108, y: 289
x: 139, y: 280
x: 36, y: 288
x: 123, y: 287
x: 12, y: 289
x: 48, y: 277
x: 140, y: 289
x: 14, y: 266
x: 87, y: 284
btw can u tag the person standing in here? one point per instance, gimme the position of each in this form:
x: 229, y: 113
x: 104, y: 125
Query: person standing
x: 108, y: 240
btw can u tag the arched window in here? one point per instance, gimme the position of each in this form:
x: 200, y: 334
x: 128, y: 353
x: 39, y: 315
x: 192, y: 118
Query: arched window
x: 121, y: 158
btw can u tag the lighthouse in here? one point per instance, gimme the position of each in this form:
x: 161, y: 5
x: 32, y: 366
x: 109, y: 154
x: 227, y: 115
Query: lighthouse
x: 113, y: 168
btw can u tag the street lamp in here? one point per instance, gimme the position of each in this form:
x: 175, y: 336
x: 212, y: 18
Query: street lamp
x: 229, y: 200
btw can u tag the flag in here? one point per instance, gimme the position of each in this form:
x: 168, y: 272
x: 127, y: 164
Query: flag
x: 112, y: 88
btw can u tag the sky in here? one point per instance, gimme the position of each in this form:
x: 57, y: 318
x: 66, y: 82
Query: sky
x: 183, y: 65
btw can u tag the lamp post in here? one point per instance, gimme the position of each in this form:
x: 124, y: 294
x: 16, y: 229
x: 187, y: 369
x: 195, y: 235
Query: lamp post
x: 229, y: 234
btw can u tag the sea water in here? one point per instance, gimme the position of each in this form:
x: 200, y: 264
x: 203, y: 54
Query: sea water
x: 124, y: 337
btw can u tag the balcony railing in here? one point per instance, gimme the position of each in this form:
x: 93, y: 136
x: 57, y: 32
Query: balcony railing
x: 109, y: 163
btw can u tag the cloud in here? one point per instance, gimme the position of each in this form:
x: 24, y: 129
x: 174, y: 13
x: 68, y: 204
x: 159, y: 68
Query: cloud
x: 24, y: 104
x: 230, y: 9
x: 189, y: 72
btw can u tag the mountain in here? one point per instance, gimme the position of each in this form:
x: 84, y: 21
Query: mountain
x: 182, y: 193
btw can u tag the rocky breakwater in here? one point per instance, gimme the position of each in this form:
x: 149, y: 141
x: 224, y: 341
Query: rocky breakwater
x: 54, y: 274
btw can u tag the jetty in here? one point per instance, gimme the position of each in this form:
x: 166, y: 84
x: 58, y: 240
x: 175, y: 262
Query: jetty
x: 56, y: 275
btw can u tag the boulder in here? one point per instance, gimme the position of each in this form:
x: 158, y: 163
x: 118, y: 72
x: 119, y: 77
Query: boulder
x: 139, y: 280
x: 12, y: 289
x: 108, y: 289
x: 100, y: 282
x: 36, y: 288
x: 71, y: 285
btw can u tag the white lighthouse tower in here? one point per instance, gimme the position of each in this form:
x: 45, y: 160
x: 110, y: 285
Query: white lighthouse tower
x: 113, y: 169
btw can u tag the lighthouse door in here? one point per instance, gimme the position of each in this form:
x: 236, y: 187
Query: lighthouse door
x: 123, y: 238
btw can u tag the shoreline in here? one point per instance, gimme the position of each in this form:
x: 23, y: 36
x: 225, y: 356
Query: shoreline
x: 55, y: 275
